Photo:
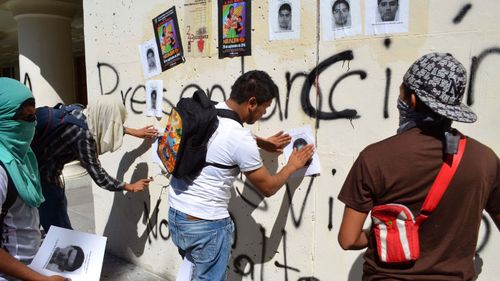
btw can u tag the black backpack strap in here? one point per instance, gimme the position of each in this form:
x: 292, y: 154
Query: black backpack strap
x: 10, y: 199
x: 227, y: 113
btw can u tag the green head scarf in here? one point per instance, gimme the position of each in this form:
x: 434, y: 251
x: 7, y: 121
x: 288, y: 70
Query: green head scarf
x: 15, y: 139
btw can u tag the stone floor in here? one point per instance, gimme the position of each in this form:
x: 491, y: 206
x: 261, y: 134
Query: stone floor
x: 81, y: 212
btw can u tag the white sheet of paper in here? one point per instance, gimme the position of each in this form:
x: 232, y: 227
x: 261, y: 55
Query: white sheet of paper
x: 64, y: 250
x: 154, y: 98
x: 150, y: 64
x: 154, y: 148
x: 185, y: 272
x: 374, y: 24
x: 290, y: 29
x: 302, y: 136
x: 346, y: 25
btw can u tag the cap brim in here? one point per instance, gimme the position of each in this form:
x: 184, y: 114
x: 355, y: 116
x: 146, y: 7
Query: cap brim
x: 460, y: 112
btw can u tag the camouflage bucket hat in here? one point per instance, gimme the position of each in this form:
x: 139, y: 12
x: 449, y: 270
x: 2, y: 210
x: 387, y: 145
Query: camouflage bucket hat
x: 439, y: 82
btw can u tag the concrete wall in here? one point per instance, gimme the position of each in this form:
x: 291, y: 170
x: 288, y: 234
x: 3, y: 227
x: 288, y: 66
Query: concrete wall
x: 299, y: 234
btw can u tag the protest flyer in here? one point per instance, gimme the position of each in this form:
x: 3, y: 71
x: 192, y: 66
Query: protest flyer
x: 284, y: 19
x: 386, y: 16
x: 70, y: 253
x: 340, y: 18
x: 150, y: 58
x: 168, y: 39
x: 300, y: 137
x: 198, y: 27
x: 154, y: 98
x: 235, y: 29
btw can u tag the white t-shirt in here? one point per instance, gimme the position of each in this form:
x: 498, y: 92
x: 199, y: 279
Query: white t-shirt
x: 21, y: 227
x: 207, y: 197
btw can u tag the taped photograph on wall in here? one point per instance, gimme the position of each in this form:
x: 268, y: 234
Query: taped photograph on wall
x: 340, y: 18
x: 168, y: 39
x: 234, y: 28
x: 198, y: 27
x: 386, y: 16
x: 154, y: 98
x: 300, y: 137
x: 150, y: 58
x: 284, y: 19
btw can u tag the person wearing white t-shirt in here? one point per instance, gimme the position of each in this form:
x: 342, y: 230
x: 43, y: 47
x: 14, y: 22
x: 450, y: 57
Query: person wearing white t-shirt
x: 199, y: 220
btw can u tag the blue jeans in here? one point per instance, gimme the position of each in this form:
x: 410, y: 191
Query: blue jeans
x: 205, y: 243
x: 54, y: 211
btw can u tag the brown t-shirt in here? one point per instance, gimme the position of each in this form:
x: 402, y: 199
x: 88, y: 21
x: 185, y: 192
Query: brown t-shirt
x: 401, y: 170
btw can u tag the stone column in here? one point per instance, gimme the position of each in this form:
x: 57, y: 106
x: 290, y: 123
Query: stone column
x: 45, y: 48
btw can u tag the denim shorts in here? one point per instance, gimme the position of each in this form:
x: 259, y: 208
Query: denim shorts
x: 205, y: 243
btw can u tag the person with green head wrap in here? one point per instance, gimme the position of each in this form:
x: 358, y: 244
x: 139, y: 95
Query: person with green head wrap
x: 19, y: 184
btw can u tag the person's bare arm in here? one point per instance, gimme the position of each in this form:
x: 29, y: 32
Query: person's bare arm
x: 147, y: 132
x: 269, y: 184
x: 351, y: 234
x: 12, y: 267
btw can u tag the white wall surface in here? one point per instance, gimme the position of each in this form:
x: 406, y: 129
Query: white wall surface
x: 297, y: 234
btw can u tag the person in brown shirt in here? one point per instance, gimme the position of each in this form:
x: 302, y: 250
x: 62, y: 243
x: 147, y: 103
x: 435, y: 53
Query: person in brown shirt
x: 402, y: 168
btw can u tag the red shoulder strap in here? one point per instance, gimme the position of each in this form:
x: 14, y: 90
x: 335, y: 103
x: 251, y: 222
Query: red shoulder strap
x: 441, y: 182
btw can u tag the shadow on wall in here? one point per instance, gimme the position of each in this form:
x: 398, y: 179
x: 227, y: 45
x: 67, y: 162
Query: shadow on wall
x: 356, y: 272
x: 253, y: 244
x: 128, y: 208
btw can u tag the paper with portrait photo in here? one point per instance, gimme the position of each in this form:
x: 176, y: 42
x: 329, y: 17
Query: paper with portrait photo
x: 154, y: 98
x: 150, y: 58
x: 300, y: 137
x: 284, y: 19
x: 339, y: 20
x: 70, y: 253
x: 388, y: 17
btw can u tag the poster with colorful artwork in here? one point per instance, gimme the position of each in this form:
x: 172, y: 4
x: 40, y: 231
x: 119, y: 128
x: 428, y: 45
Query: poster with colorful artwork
x: 168, y: 39
x: 234, y: 28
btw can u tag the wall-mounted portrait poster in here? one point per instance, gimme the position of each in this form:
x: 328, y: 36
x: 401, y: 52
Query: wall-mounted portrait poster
x: 168, y: 39
x: 340, y: 18
x: 150, y: 58
x: 300, y: 137
x: 235, y: 29
x: 284, y: 19
x: 386, y: 16
x: 154, y: 98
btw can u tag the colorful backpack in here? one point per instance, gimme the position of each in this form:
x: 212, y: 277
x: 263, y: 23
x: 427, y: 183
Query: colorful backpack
x: 183, y: 146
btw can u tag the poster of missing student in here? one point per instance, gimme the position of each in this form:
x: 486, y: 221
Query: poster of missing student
x: 168, y: 39
x: 234, y: 28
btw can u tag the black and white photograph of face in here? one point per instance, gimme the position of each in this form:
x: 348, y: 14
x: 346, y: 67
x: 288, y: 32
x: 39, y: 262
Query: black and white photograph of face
x: 150, y: 56
x: 341, y: 10
x: 153, y: 95
x: 67, y: 259
x: 387, y: 10
x: 298, y: 144
x: 285, y: 17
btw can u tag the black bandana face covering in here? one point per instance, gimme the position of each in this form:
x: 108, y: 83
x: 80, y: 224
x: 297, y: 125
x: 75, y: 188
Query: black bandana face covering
x: 409, y: 118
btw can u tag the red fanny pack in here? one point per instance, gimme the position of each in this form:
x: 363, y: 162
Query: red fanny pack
x: 395, y: 228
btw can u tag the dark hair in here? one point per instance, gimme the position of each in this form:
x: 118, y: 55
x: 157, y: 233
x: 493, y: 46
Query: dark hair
x: 77, y: 263
x: 378, y: 2
x: 254, y: 83
x: 338, y: 2
x: 150, y: 51
x: 420, y: 106
x: 285, y: 6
